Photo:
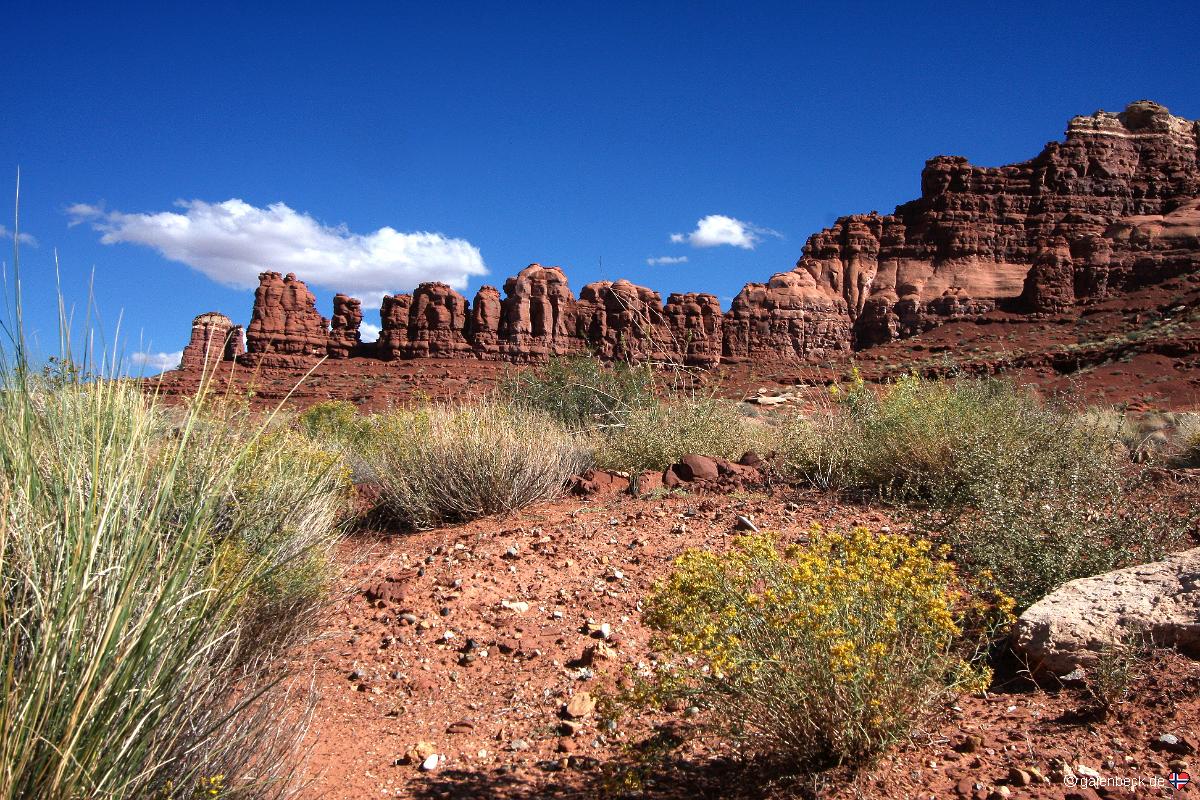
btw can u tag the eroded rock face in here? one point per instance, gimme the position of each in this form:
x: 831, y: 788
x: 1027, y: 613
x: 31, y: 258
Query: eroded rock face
x: 393, y: 327
x: 623, y: 321
x: 285, y: 323
x: 1070, y: 627
x: 344, y: 336
x: 486, y: 314
x: 1113, y: 207
x: 1105, y: 211
x: 437, y: 324
x: 538, y: 315
x: 789, y: 318
x: 696, y: 325
x: 214, y: 338
x: 1050, y: 284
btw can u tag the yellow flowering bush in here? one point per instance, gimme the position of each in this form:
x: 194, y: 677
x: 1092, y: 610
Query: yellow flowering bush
x: 335, y: 421
x: 823, y: 654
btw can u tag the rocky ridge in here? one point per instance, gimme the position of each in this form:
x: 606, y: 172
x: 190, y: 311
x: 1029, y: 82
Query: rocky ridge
x: 1114, y: 207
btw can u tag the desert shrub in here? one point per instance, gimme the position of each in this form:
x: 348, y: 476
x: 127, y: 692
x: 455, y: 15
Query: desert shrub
x: 1051, y: 523
x: 1026, y: 490
x: 450, y: 463
x: 818, y: 655
x: 142, y: 557
x: 334, y: 421
x: 933, y: 441
x: 655, y: 436
x: 581, y: 392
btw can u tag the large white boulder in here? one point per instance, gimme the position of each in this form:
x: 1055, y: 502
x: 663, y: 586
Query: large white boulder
x: 1158, y: 602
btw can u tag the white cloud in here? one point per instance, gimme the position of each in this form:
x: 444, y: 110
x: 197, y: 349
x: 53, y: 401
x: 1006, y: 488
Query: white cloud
x: 23, y: 238
x: 157, y: 362
x: 654, y: 262
x: 233, y: 241
x: 369, y: 332
x: 718, y: 229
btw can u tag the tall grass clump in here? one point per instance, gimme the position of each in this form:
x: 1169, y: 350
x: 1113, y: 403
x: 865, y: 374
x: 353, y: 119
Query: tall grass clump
x: 441, y: 464
x: 154, y: 567
x: 1189, y: 429
x: 1028, y: 491
x: 816, y: 656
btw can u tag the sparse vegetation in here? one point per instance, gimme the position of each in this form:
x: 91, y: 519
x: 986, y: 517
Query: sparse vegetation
x: 1031, y: 492
x: 654, y: 437
x: 817, y: 655
x: 1117, y: 667
x: 440, y: 464
x: 633, y: 418
x: 581, y: 392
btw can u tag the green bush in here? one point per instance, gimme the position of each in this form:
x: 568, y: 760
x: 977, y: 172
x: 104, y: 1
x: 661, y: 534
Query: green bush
x: 1050, y: 523
x: 1031, y: 492
x: 154, y: 567
x: 817, y: 655
x: 444, y: 464
x: 581, y: 392
x: 927, y: 441
x: 655, y: 436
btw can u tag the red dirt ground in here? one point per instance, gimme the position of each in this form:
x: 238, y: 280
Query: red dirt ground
x: 386, y: 684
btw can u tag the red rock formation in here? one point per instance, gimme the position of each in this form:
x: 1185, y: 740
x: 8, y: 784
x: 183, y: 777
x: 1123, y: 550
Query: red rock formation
x: 214, y: 338
x: 539, y: 314
x: 1050, y: 283
x: 625, y: 322
x: 285, y: 328
x: 344, y: 336
x: 485, y: 322
x: 1114, y: 207
x: 393, y: 330
x: 437, y: 323
x: 695, y: 323
x: 789, y: 318
x: 976, y: 232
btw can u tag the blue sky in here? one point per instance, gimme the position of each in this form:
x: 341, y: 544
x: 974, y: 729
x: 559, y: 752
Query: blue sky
x: 580, y: 134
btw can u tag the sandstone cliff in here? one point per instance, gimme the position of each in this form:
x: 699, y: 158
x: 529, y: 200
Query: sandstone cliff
x: 1114, y: 207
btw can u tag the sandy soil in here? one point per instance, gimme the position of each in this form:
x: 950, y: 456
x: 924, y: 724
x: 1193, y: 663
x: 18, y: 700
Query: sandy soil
x: 471, y: 639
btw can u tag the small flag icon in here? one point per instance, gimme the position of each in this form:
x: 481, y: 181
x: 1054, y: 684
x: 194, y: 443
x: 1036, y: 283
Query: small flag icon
x: 1179, y: 779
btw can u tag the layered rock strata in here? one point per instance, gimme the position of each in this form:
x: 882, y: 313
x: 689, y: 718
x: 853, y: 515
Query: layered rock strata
x: 1114, y: 207
x: 214, y: 338
x: 285, y: 328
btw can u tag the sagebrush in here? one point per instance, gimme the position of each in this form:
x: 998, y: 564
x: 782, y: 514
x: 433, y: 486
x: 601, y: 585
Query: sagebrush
x: 1026, y: 490
x: 439, y: 464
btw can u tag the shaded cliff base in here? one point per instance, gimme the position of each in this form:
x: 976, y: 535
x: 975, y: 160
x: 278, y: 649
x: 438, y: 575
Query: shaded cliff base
x: 1141, y: 349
